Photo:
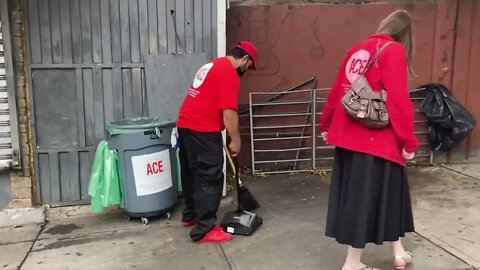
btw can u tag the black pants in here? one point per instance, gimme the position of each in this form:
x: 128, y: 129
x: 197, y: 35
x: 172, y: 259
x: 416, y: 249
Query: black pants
x: 201, y: 161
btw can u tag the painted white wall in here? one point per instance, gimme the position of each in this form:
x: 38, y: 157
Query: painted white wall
x: 221, y: 51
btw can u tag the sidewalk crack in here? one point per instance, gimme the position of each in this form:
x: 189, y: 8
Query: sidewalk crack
x: 33, y: 243
x: 230, y: 267
x: 459, y: 172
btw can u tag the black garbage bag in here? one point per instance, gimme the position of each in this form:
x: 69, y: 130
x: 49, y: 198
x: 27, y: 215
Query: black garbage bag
x: 448, y: 121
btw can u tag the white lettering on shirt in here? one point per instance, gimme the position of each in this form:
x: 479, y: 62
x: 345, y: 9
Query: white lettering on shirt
x: 356, y: 65
x: 201, y: 75
x: 199, y: 79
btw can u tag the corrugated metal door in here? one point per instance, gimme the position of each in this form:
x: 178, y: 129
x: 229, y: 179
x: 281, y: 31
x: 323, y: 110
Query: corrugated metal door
x: 87, y: 69
x: 9, y: 147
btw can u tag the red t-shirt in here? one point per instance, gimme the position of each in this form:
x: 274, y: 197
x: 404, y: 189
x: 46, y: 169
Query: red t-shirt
x: 389, y: 73
x: 216, y: 86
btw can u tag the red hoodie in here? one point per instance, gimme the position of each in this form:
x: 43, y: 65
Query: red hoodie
x: 389, y: 73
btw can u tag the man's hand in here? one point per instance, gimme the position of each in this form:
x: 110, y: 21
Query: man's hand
x: 235, y: 147
x: 407, y: 156
x: 230, y: 119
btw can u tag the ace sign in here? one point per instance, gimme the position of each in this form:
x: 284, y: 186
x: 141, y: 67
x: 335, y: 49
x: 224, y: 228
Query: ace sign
x: 152, y: 173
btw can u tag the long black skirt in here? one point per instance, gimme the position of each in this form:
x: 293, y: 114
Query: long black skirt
x: 369, y: 200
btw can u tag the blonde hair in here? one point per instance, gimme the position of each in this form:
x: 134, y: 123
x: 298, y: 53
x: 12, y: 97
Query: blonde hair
x: 398, y: 25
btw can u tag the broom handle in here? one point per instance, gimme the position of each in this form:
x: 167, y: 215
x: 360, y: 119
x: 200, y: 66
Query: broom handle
x: 229, y: 159
x: 238, y: 183
x: 231, y: 163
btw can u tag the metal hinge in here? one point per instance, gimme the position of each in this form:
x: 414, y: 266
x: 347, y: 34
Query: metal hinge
x: 15, y: 164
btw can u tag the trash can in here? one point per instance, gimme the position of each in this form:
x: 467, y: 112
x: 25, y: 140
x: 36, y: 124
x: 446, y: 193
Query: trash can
x: 148, y: 165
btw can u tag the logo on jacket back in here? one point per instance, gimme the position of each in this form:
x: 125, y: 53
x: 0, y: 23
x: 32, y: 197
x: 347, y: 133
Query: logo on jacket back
x: 356, y: 65
x: 199, y: 79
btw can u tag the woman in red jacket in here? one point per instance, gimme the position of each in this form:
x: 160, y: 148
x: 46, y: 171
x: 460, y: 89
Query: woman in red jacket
x: 369, y: 196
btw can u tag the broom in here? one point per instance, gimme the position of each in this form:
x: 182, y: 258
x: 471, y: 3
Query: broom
x: 245, y: 197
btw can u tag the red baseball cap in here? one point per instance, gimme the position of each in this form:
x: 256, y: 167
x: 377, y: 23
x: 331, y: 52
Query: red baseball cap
x: 250, y: 49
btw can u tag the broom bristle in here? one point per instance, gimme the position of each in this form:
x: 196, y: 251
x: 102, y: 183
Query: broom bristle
x: 246, y: 199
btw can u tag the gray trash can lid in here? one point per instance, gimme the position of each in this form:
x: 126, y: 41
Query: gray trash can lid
x: 140, y: 124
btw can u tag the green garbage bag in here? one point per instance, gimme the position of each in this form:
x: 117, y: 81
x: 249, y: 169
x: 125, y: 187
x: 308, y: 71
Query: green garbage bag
x: 105, y: 188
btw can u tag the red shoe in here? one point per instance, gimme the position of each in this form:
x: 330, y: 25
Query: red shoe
x: 189, y: 223
x: 216, y: 235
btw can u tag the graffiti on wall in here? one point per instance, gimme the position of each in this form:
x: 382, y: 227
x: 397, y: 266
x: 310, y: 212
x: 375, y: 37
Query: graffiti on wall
x: 265, y: 35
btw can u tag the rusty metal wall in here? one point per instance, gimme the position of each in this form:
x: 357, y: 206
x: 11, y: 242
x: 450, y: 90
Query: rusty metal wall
x: 465, y: 70
x: 296, y: 42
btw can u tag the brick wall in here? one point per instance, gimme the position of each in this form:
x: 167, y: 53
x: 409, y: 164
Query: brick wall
x: 21, y: 185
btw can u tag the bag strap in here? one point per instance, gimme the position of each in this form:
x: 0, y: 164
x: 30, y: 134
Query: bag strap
x: 374, y: 59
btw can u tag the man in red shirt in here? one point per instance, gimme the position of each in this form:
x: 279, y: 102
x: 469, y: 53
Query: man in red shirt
x: 209, y: 107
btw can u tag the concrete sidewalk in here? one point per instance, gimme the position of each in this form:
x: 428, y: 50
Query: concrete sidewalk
x: 446, y: 203
x: 292, y: 237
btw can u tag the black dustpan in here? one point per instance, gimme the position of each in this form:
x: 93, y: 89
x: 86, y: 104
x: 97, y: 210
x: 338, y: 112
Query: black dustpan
x: 240, y: 222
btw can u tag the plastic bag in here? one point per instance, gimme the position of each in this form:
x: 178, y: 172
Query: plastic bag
x: 105, y: 186
x: 448, y: 121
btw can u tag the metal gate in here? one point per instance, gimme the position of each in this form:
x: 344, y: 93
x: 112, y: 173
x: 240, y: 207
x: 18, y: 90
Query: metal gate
x: 284, y: 137
x: 87, y: 69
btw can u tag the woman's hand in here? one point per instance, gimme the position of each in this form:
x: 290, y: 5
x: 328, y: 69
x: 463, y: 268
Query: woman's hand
x: 407, y: 156
x: 324, y: 136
